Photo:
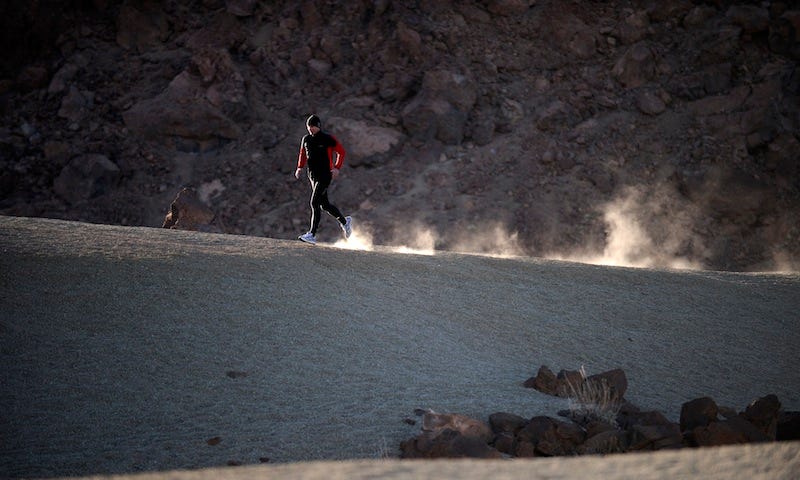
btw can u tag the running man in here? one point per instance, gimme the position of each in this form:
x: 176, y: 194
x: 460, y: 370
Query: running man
x: 317, y: 152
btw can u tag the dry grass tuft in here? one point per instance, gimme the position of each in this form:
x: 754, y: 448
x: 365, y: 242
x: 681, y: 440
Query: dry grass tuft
x: 592, y: 400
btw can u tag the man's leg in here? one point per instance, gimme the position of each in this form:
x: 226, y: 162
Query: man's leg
x: 331, y: 208
x: 318, y: 190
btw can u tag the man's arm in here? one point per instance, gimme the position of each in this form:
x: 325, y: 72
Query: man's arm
x: 337, y: 149
x: 301, y: 161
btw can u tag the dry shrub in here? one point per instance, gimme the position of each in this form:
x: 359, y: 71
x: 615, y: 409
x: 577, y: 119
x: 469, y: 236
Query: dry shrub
x: 592, y: 400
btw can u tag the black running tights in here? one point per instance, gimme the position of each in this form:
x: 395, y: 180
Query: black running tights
x: 319, y: 202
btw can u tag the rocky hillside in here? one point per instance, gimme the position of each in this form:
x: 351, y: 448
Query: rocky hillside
x: 646, y: 130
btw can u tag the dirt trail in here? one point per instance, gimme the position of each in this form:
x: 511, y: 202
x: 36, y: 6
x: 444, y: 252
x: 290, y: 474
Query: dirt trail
x: 128, y: 349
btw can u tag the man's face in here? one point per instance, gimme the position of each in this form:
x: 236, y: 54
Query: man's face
x: 312, y: 129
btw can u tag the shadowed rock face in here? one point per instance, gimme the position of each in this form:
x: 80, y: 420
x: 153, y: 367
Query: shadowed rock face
x: 538, y: 118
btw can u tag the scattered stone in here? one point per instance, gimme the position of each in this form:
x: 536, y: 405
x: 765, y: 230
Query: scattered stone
x: 453, y: 435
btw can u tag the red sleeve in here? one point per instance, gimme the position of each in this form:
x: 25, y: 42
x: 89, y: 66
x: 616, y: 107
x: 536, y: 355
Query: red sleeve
x: 338, y: 148
x: 301, y: 158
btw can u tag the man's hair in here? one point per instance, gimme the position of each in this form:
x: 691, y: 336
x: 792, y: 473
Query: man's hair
x: 314, y: 121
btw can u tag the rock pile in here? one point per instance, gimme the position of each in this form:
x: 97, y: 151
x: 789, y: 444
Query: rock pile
x: 531, y: 115
x: 600, y: 421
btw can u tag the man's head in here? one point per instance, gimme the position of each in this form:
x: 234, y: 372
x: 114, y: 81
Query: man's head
x: 315, y: 123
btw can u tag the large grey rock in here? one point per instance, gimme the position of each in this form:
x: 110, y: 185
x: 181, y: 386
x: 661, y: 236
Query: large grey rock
x: 636, y: 67
x: 85, y: 177
x: 363, y: 141
x: 441, y: 109
x: 187, y: 109
x: 141, y: 29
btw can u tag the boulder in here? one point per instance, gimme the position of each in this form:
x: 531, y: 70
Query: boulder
x: 698, y: 413
x: 608, y: 441
x: 446, y: 444
x: 655, y: 437
x: 650, y: 103
x: 436, y: 422
x: 788, y: 428
x: 241, y: 8
x: 784, y: 35
x: 698, y: 15
x: 781, y: 156
x: 636, y: 67
x: 763, y: 414
x: 409, y: 39
x: 553, y: 116
x: 751, y: 18
x: 76, y: 104
x: 363, y: 141
x: 504, y: 442
x: 32, y: 77
x: 182, y: 110
x: 726, y: 432
x: 502, y: 422
x: 545, y: 381
x: 187, y: 212
x: 634, y: 27
x: 664, y: 10
x: 583, y: 44
x: 569, y: 381
x: 224, y: 31
x: 615, y: 380
x: 85, y: 177
x: 62, y: 78
x: 441, y: 108
x: 141, y: 29
x: 508, y: 8
x: 630, y: 416
x: 548, y: 437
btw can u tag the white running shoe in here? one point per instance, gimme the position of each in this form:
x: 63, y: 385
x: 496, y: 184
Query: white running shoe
x: 347, y: 228
x: 308, y: 237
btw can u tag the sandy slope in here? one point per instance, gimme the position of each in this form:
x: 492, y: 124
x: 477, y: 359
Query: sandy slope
x: 127, y: 349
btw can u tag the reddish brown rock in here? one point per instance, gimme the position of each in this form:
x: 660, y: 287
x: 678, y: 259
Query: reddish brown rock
x: 763, y: 414
x: 549, y: 437
x: 698, y: 413
x: 636, y: 67
x: 615, y: 380
x: 788, y: 426
x: 447, y: 444
x: 545, y: 381
x: 187, y: 212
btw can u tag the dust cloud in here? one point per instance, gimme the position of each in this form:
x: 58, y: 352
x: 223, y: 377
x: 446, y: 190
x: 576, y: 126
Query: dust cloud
x: 647, y: 229
x: 652, y: 227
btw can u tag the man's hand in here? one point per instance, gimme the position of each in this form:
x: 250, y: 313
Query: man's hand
x: 297, y: 173
x: 334, y: 173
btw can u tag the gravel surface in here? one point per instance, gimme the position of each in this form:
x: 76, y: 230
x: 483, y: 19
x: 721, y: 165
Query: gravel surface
x: 138, y: 349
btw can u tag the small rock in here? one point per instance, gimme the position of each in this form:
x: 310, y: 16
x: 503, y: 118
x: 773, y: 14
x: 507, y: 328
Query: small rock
x: 650, y: 103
